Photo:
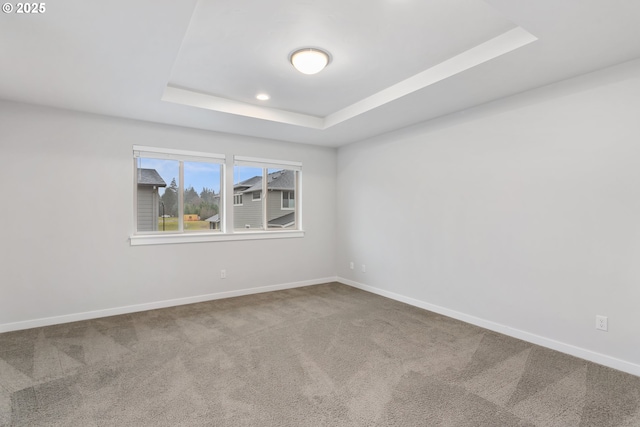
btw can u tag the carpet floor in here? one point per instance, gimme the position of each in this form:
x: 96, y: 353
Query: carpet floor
x: 325, y: 355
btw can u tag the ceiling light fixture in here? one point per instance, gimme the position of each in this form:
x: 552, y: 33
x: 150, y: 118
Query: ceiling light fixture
x: 262, y: 97
x: 309, y: 60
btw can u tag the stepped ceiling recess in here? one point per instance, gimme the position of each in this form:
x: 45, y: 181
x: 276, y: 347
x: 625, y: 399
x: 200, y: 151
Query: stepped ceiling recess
x: 392, y: 63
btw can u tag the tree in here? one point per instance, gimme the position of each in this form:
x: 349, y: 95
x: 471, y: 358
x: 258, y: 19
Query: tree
x: 191, y: 201
x: 191, y: 197
x: 170, y: 199
x: 207, y: 210
x: 207, y: 195
x: 204, y: 204
x: 209, y: 206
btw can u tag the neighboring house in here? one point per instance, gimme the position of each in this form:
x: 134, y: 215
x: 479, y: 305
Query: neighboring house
x: 284, y: 221
x: 214, y: 222
x: 149, y: 181
x: 191, y: 217
x: 247, y: 201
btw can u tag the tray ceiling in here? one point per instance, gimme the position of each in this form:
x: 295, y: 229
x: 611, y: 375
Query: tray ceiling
x: 394, y: 62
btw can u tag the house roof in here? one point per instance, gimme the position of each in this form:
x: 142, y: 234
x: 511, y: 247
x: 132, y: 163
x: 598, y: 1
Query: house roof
x: 215, y: 218
x: 280, y: 180
x: 150, y: 177
x: 283, y: 221
x: 247, y: 183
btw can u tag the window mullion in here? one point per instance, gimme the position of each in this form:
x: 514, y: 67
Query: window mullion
x: 265, y: 176
x: 222, y: 204
x: 297, y: 199
x: 181, y: 197
x: 136, y: 172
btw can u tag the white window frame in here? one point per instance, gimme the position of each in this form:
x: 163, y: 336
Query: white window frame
x: 235, y: 198
x: 267, y: 164
x: 253, y: 199
x: 180, y: 156
x: 226, y: 231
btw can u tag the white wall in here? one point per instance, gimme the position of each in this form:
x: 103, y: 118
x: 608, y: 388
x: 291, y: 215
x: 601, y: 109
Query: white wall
x: 66, y: 216
x: 522, y: 215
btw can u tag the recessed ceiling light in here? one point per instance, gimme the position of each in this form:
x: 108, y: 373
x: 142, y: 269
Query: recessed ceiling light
x: 309, y: 60
x: 262, y: 96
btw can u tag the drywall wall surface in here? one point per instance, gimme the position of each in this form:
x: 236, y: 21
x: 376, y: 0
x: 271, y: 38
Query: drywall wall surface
x: 524, y: 213
x: 67, y: 215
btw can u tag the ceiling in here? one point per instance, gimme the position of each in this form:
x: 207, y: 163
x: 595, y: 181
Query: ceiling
x: 394, y: 63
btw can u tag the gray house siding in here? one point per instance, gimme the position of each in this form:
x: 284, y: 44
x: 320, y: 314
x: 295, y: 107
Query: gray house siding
x: 147, y: 199
x: 274, y: 205
x: 250, y: 211
x: 147, y: 208
x: 248, y: 214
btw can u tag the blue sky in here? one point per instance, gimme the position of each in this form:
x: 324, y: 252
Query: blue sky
x: 196, y: 174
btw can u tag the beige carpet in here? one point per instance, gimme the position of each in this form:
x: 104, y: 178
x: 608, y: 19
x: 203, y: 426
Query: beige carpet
x: 326, y: 355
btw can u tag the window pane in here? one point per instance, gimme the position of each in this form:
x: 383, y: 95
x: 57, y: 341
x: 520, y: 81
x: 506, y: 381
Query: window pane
x: 247, y: 211
x: 288, y: 200
x: 157, y: 194
x: 281, y: 186
x: 201, y: 197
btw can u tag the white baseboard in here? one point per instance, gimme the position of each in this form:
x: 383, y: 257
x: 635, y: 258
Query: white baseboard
x: 582, y: 353
x: 56, y: 320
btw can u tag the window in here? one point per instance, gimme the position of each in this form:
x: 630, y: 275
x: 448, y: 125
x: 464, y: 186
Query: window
x: 288, y: 200
x: 183, y: 197
x: 276, y: 185
x: 177, y: 191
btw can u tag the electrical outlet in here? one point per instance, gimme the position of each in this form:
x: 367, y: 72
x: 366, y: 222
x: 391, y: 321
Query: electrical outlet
x: 602, y: 323
x: 351, y: 265
x: 364, y: 268
x: 223, y: 274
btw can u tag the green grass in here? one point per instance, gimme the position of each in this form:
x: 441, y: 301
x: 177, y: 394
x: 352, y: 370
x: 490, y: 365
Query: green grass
x: 171, y: 224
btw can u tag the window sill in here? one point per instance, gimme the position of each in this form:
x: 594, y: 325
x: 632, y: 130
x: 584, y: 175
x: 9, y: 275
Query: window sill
x: 167, y: 239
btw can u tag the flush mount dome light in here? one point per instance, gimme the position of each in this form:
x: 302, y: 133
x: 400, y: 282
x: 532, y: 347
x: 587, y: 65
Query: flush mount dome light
x: 309, y: 60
